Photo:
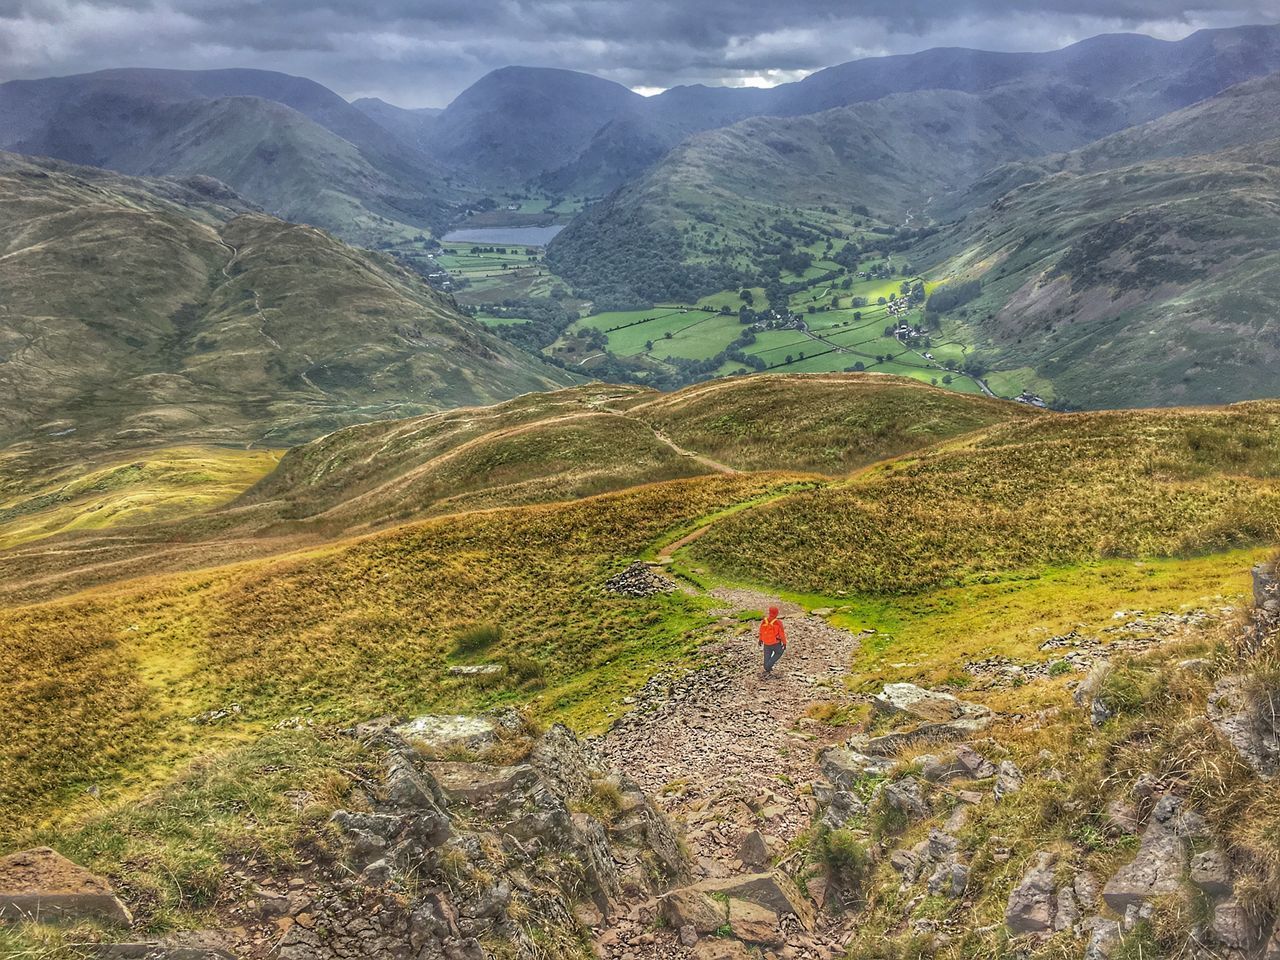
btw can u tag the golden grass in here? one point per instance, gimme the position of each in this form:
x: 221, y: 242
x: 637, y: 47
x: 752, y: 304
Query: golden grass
x: 1051, y: 491
x: 828, y: 423
x: 152, y: 486
x: 99, y: 689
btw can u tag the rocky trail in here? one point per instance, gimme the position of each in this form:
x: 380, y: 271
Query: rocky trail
x: 729, y: 756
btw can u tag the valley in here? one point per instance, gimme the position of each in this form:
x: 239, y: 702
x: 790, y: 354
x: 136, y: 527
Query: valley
x: 393, y: 501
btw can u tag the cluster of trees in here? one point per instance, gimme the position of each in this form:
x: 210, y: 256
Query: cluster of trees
x: 949, y: 296
x: 621, y: 262
x: 546, y: 320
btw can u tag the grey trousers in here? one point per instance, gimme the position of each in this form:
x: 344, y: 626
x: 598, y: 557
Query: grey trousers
x: 772, y: 654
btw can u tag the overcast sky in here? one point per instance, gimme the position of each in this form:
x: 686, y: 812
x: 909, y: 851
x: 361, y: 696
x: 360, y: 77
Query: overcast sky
x: 423, y: 52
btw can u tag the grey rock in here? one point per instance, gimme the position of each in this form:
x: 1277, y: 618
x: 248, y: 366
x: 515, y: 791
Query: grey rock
x: 444, y: 732
x: 949, y: 879
x: 1008, y: 779
x: 1103, y: 940
x: 928, y: 705
x: 1211, y: 872
x: 1030, y: 909
x: 1121, y: 817
x: 41, y: 882
x: 774, y: 890
x: 1161, y: 859
x: 844, y: 767
x: 1249, y: 719
x: 907, y: 797
x: 843, y: 808
x: 1087, y: 694
x: 1087, y: 890
x: 1232, y: 926
x: 1066, y: 910
x: 753, y: 851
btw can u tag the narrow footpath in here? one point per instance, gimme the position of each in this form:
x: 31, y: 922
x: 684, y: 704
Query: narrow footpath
x: 726, y: 753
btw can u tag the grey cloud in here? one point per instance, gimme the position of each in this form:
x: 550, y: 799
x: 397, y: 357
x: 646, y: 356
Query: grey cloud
x: 423, y: 52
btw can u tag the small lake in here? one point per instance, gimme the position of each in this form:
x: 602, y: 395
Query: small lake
x: 506, y: 236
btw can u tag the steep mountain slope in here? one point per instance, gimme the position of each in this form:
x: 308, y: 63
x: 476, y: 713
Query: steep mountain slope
x: 1148, y: 77
x: 411, y: 126
x: 131, y: 316
x: 1153, y: 283
x: 891, y: 156
x: 1240, y: 115
x: 518, y: 122
x: 286, y: 143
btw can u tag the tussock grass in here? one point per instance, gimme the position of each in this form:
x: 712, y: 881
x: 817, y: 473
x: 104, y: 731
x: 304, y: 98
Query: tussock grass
x: 99, y: 690
x: 1050, y: 491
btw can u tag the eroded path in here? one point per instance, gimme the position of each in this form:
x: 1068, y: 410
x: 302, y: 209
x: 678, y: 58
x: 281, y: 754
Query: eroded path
x: 725, y: 752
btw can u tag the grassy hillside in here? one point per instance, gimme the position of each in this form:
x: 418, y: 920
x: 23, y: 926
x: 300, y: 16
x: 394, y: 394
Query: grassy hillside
x: 135, y: 317
x: 827, y: 423
x: 898, y: 157
x: 1049, y: 492
x: 533, y: 449
x: 293, y: 147
x: 339, y: 634
x: 1160, y: 292
x: 165, y: 484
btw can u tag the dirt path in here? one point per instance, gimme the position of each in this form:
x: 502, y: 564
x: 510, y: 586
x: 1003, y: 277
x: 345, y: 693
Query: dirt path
x: 725, y: 752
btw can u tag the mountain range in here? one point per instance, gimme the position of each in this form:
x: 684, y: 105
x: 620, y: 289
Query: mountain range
x: 139, y: 311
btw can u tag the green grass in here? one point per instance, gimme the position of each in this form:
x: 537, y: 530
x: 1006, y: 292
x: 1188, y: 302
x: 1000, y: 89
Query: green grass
x: 155, y: 486
x: 337, y: 635
x: 1058, y: 490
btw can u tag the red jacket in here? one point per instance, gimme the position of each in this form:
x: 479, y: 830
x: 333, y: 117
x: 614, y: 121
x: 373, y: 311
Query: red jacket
x: 771, y: 629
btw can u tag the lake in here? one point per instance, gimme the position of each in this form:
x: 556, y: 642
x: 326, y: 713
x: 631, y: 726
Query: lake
x: 506, y: 236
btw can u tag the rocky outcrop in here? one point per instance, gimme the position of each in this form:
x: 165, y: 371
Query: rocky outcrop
x: 479, y: 832
x: 41, y: 883
x: 1161, y: 861
x: 930, y: 717
x: 1247, y: 715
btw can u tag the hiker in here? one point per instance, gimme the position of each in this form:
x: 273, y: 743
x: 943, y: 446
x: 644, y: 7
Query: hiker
x: 773, y: 639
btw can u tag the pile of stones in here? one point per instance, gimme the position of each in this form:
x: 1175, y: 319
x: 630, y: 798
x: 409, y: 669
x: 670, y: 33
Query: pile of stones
x: 639, y: 580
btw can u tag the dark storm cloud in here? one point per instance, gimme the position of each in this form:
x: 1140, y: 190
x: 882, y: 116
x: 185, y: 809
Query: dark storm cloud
x: 422, y: 52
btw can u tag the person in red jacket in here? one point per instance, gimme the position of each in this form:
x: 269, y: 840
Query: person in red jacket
x: 773, y: 638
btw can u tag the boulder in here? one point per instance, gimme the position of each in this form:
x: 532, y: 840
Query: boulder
x: 42, y: 882
x: 1121, y: 817
x: 774, y: 890
x: 1088, y: 691
x: 693, y: 908
x: 1066, y: 913
x: 478, y: 670
x: 1008, y: 779
x: 754, y: 923
x: 964, y: 762
x: 1211, y: 872
x: 441, y: 733
x: 753, y: 851
x: 1031, y: 909
x: 844, y: 767
x: 1232, y: 927
x: 927, y: 705
x: 949, y: 879
x: 1104, y: 938
x: 907, y: 797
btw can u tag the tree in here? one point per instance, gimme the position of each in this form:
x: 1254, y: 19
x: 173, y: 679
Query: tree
x: 859, y: 366
x: 747, y: 296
